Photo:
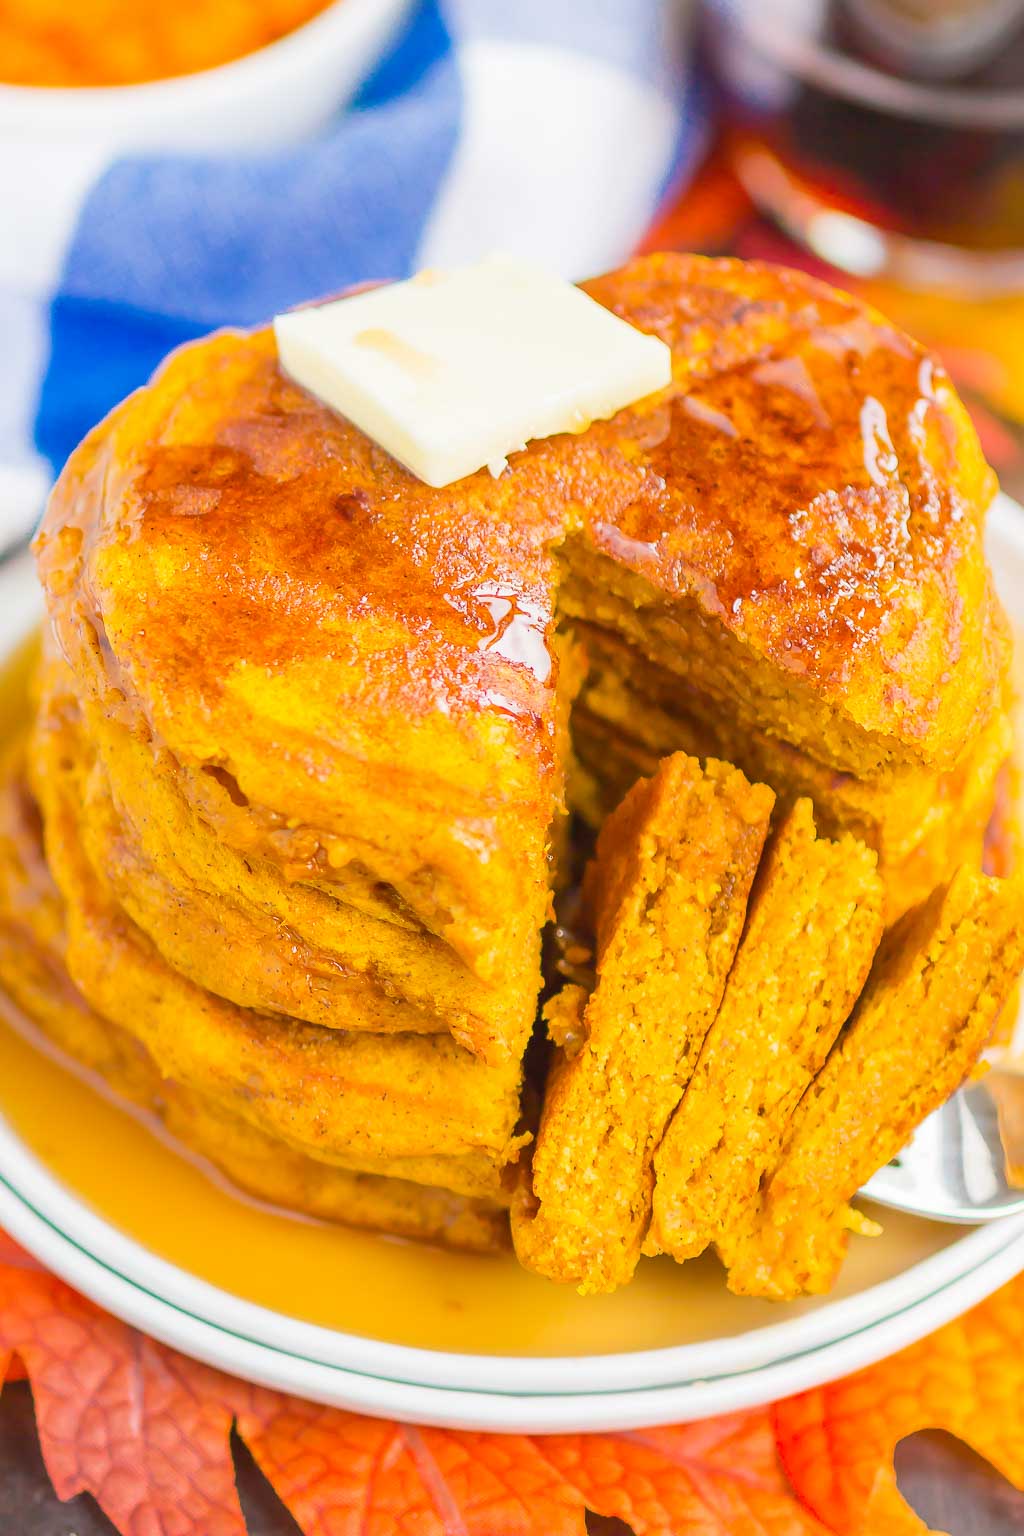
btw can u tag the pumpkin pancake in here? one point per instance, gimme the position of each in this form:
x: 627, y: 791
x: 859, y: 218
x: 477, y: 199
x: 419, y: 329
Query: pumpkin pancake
x: 923, y: 824
x: 360, y: 670
x: 927, y: 1012
x: 34, y: 978
x: 668, y: 890
x: 408, y: 1106
x: 804, y: 547
x: 813, y: 926
x: 242, y: 930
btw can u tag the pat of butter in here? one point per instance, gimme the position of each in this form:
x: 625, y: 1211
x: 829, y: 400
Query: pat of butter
x: 454, y: 370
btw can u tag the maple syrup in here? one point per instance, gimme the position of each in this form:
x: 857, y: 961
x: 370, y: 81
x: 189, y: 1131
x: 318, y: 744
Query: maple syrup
x: 122, y: 1164
x: 917, y: 128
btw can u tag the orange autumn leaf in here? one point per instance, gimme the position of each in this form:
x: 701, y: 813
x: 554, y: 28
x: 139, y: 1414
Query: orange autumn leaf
x: 837, y: 1443
x: 119, y: 1416
x: 337, y: 1470
x: 147, y: 1433
x: 11, y: 1368
x: 719, y: 1475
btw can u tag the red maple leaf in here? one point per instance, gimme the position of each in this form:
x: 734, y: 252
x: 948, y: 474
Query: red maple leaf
x: 147, y: 1433
x: 837, y: 1443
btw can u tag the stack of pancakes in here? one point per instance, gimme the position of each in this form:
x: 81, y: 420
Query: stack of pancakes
x: 307, y: 732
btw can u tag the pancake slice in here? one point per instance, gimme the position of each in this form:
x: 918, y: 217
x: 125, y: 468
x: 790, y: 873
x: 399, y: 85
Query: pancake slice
x: 813, y: 926
x: 35, y: 982
x: 668, y: 893
x: 925, y: 1015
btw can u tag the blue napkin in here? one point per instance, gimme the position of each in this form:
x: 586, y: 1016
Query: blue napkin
x: 547, y: 128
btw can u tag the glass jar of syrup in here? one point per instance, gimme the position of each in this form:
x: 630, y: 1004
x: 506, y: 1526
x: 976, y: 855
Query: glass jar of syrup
x: 885, y: 136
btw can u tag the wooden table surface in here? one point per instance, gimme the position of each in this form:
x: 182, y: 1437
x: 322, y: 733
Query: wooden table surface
x: 952, y: 1489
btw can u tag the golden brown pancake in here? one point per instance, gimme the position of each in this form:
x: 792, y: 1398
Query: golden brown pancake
x: 34, y: 978
x: 922, y: 823
x: 232, y: 923
x: 367, y: 674
x: 305, y: 800
x: 804, y: 546
x: 355, y: 672
x: 406, y: 1106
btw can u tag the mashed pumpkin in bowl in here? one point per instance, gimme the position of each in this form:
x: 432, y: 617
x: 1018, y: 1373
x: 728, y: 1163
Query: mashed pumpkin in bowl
x: 118, y: 42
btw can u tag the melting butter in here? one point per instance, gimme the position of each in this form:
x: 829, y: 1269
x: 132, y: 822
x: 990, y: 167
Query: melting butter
x: 452, y: 372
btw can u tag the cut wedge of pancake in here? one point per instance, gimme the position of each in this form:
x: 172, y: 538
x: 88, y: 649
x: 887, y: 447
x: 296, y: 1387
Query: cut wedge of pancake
x: 668, y: 891
x: 925, y: 1015
x: 813, y: 926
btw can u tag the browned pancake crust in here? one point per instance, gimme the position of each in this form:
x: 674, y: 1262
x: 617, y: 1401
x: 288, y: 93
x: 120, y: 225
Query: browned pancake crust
x: 407, y: 1106
x: 236, y: 926
x: 35, y: 981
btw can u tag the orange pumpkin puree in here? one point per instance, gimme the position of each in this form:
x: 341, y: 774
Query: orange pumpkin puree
x: 119, y: 42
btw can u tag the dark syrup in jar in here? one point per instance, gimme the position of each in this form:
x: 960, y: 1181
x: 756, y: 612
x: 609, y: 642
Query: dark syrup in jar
x: 908, y: 113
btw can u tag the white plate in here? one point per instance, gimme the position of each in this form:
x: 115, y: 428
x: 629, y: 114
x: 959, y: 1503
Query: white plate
x: 731, y: 1353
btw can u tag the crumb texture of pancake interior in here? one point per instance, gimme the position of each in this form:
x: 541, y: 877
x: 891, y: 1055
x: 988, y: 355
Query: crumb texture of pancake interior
x: 927, y: 1011
x: 315, y: 745
x: 813, y: 927
x: 668, y: 892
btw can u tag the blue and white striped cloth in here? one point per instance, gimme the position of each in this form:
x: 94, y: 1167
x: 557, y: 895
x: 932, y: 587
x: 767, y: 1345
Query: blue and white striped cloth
x: 547, y: 128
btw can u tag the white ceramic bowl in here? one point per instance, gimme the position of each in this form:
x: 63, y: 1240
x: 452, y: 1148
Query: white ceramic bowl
x: 275, y: 96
